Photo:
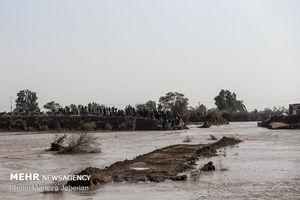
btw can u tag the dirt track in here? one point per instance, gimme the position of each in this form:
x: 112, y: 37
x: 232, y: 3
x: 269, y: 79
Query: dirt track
x: 157, y: 166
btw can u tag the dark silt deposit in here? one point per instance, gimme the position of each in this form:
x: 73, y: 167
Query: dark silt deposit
x: 157, y: 166
x: 281, y: 122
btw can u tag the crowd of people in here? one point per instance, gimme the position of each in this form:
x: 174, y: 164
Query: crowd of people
x: 167, y: 118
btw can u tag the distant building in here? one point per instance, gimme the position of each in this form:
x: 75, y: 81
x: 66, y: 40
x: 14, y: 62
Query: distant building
x: 294, y: 109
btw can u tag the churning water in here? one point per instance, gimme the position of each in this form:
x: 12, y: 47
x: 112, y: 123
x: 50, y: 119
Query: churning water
x: 266, y: 165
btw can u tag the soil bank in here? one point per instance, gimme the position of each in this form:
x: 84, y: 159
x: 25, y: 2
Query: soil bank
x: 282, y: 122
x: 78, y: 123
x: 159, y: 165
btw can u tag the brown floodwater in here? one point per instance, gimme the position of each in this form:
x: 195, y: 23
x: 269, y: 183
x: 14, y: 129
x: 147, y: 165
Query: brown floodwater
x: 266, y: 165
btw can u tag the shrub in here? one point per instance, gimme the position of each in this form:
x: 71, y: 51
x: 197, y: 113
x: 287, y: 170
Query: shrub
x: 241, y: 116
x: 31, y: 129
x: 56, y: 145
x: 90, y: 126
x: 227, y: 116
x: 58, y: 126
x: 43, y: 128
x: 21, y: 124
x: 129, y: 124
x: 192, y: 162
x: 107, y: 126
x: 81, y: 143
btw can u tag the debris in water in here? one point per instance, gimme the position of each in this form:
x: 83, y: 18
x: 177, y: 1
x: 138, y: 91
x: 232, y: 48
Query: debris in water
x: 187, y: 139
x: 76, y: 143
x: 212, y: 137
x: 208, y: 167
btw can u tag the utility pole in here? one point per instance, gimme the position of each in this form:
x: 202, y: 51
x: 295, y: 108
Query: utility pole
x: 11, y: 104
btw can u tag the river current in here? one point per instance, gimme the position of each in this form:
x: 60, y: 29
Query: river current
x: 266, y: 165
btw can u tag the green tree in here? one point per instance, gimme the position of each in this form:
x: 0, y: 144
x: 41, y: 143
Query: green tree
x: 174, y: 101
x: 227, y: 101
x: 220, y: 100
x: 26, y: 101
x: 197, y: 113
x: 52, y: 106
x: 140, y: 106
x: 201, y: 109
x: 212, y: 114
x: 149, y: 105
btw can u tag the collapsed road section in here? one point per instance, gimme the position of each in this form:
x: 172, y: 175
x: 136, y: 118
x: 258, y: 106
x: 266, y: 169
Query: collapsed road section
x: 159, y: 165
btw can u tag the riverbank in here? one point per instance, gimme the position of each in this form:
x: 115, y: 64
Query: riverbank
x: 78, y: 123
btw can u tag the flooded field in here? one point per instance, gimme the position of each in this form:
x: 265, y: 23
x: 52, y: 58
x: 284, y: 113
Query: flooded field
x: 265, y: 166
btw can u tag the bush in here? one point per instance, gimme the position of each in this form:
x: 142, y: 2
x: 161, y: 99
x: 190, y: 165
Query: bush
x: 21, y: 124
x: 43, y: 128
x: 90, y: 126
x: 131, y: 124
x: 241, y: 116
x: 227, y: 116
x: 58, y: 126
x: 76, y: 143
x: 81, y: 143
x: 31, y: 129
x: 192, y: 162
x: 56, y: 145
x: 107, y: 126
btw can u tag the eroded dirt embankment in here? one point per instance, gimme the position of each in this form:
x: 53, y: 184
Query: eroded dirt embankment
x: 63, y: 123
x: 281, y: 122
x: 157, y: 166
x: 66, y: 123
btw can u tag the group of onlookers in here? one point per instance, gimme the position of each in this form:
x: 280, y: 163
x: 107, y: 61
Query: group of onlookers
x: 168, y: 118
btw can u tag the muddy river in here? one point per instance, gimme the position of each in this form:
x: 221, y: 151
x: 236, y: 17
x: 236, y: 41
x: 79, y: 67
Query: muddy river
x: 266, y: 165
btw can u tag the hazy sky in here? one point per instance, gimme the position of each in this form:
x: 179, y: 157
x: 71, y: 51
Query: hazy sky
x: 127, y: 52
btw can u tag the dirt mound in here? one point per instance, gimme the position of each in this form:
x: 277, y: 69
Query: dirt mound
x: 157, y: 166
x: 281, y: 122
x: 205, y: 125
x: 225, y: 141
